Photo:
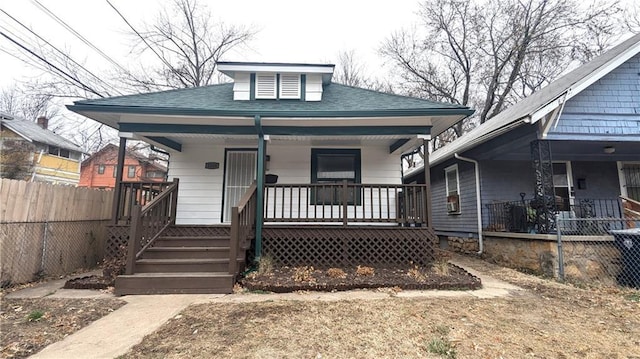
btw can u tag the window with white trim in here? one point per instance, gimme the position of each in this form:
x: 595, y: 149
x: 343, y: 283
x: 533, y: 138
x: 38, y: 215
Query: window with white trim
x: 452, y: 183
x: 266, y: 86
x: 101, y: 169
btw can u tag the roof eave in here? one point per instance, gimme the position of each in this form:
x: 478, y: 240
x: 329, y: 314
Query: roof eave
x: 78, y: 108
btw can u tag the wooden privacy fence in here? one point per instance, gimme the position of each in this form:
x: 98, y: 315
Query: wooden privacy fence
x: 48, y: 230
x: 22, y: 201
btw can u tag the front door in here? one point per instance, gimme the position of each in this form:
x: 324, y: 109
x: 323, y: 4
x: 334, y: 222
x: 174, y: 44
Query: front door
x: 240, y: 172
x: 563, y: 185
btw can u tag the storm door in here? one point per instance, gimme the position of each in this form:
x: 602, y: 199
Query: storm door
x: 563, y: 185
x: 240, y: 172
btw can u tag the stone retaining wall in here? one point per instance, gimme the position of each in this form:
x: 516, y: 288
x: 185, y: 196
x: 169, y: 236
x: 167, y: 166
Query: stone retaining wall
x: 584, y: 261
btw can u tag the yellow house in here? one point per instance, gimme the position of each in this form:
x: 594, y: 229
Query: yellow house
x: 32, y: 152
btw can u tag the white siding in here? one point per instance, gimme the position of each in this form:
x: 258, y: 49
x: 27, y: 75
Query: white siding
x: 200, y: 190
x: 242, y: 87
x: 313, y: 87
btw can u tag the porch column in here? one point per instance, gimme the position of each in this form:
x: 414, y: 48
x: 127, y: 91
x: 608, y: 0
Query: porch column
x: 117, y: 193
x: 544, y: 196
x: 260, y: 172
x: 427, y: 182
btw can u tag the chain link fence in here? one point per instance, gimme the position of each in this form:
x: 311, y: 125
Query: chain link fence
x: 599, y: 251
x: 33, y: 250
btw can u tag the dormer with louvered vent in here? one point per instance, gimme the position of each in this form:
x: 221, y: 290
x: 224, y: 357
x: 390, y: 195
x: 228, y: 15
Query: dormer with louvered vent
x: 277, y: 81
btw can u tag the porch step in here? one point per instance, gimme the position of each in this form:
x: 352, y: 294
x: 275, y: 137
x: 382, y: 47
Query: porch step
x: 157, y: 252
x: 189, y: 265
x: 192, y: 241
x: 174, y: 283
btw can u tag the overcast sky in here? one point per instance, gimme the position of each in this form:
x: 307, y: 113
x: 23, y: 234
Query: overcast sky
x: 289, y: 30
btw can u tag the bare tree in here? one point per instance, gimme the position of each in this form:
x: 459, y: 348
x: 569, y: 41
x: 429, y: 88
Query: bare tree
x: 16, y: 101
x: 489, y: 55
x: 351, y: 71
x: 188, y: 43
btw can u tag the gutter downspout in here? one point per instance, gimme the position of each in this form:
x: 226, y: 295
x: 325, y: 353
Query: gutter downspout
x: 478, y: 204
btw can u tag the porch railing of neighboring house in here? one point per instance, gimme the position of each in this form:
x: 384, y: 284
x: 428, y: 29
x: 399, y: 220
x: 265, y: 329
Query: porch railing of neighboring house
x: 135, y: 193
x: 243, y: 220
x: 631, y: 210
x: 148, y: 222
x: 403, y: 204
x: 521, y: 216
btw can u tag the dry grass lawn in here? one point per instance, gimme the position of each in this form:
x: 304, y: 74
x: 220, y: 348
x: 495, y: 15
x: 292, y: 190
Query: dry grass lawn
x: 547, y: 320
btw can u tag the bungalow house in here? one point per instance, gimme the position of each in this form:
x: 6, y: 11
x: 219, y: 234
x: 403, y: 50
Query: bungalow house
x: 32, y: 152
x: 99, y: 170
x: 281, y: 163
x: 571, y: 149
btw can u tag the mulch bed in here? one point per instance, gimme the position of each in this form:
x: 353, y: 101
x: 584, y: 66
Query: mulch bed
x: 290, y: 279
x: 89, y: 282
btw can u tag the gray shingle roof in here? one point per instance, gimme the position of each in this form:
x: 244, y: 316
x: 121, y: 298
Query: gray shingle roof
x: 530, y: 105
x: 335, y: 98
x: 35, y: 133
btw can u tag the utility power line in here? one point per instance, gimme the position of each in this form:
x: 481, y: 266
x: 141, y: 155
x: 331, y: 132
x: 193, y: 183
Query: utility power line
x: 77, y: 34
x: 70, y: 77
x: 65, y: 56
x: 141, y: 37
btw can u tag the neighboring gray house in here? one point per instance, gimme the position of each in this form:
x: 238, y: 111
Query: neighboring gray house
x: 572, y: 149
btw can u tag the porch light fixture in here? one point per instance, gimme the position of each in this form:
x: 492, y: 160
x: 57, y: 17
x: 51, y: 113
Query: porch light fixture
x: 609, y: 149
x: 211, y: 165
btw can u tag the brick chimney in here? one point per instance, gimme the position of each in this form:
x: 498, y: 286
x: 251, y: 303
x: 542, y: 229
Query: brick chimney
x: 43, y: 122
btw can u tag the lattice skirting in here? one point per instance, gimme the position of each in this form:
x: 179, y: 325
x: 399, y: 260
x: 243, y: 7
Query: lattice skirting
x: 117, y: 238
x: 324, y: 246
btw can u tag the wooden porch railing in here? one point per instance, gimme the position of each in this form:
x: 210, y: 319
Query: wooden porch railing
x: 135, y: 193
x: 243, y: 220
x: 346, y: 203
x: 148, y: 222
x: 631, y: 211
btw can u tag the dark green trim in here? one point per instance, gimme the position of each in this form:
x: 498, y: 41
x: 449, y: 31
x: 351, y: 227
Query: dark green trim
x: 277, y: 86
x: 177, y: 128
x: 269, y: 113
x: 252, y: 86
x: 262, y: 151
x: 347, y: 130
x: 276, y: 130
x: 315, y: 152
x: 167, y: 142
x: 303, y: 87
x: 399, y: 143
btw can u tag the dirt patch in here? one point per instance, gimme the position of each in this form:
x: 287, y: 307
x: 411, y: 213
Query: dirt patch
x: 89, y: 282
x: 290, y: 279
x: 29, y: 325
x: 548, y: 320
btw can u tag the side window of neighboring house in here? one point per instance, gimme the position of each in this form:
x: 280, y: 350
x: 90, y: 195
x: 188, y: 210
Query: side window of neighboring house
x: 452, y: 182
x: 101, y: 169
x: 332, y: 166
x: 115, y: 170
x: 131, y: 172
x: 57, y: 151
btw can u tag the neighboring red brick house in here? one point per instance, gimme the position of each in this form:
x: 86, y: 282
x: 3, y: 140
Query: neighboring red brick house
x: 99, y: 170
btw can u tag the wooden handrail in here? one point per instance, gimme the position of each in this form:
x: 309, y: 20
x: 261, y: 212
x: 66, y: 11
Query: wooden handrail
x: 148, y: 223
x: 346, y: 202
x: 246, y: 197
x: 242, y: 224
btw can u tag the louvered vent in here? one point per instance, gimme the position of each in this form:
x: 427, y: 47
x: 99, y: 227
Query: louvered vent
x: 289, y: 86
x: 265, y: 86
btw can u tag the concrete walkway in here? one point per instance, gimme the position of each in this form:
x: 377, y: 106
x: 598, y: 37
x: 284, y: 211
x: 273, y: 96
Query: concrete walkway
x: 113, y: 335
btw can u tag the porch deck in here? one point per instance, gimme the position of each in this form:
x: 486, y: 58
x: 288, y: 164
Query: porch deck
x: 322, y: 225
